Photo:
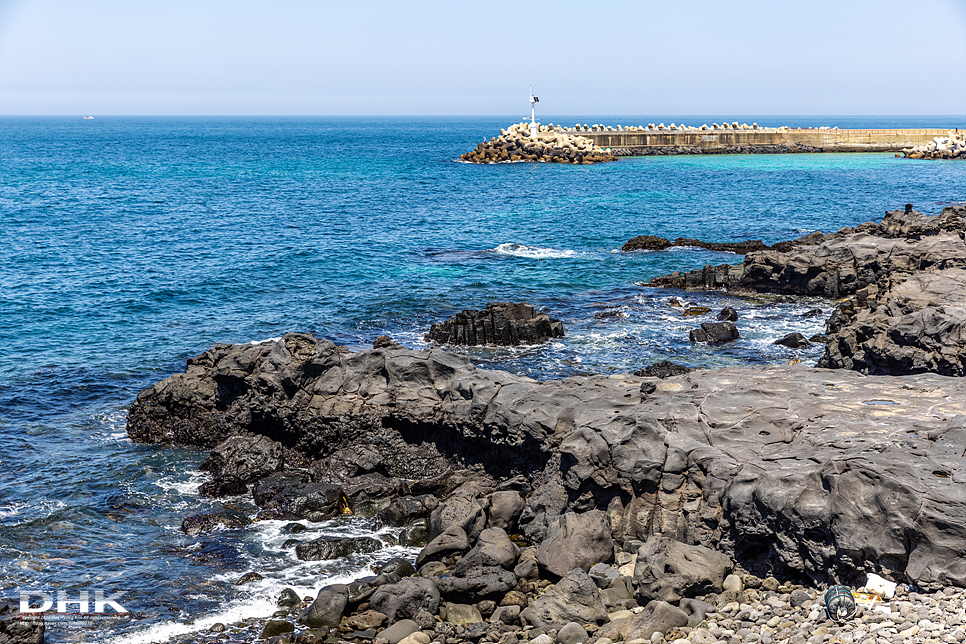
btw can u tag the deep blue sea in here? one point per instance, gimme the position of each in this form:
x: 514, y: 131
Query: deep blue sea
x: 128, y: 244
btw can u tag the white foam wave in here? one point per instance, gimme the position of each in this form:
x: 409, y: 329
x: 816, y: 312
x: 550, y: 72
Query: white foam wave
x: 234, y: 611
x: 265, y: 341
x: 533, y: 252
x: 184, y: 487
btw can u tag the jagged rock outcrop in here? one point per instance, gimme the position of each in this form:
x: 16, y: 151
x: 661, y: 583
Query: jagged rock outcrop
x: 793, y: 471
x: 501, y: 324
x: 904, y: 279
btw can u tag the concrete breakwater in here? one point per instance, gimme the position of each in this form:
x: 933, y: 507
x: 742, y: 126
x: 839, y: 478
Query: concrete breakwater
x: 737, y: 138
x: 549, y: 144
x: 951, y: 146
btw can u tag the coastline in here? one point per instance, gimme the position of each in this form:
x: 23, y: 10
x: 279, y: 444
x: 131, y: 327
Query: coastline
x: 727, y: 443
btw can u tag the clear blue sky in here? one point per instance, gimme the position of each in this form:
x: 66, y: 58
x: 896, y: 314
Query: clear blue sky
x: 317, y: 57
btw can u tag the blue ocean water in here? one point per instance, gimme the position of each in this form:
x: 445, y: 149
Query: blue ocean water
x: 129, y: 244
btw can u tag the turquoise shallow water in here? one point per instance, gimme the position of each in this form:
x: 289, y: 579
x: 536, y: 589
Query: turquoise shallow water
x: 130, y: 244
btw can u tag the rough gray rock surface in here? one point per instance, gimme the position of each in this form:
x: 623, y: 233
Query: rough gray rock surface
x: 327, y: 608
x: 577, y: 541
x: 657, y: 617
x: 905, y: 277
x: 405, y: 599
x: 500, y: 324
x: 798, y: 472
x: 669, y: 570
x: 573, y: 599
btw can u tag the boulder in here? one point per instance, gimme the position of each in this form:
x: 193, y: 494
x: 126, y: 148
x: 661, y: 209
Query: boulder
x: 493, y: 548
x: 326, y: 610
x: 577, y: 541
x: 503, y: 509
x: 403, y: 600
x: 728, y: 314
x: 219, y: 519
x: 714, y: 333
x: 794, y: 341
x: 238, y: 461
x: 335, y: 547
x: 572, y: 633
x: 657, y: 617
x: 462, y: 614
x: 475, y: 582
x: 573, y: 599
x: 398, y: 632
x: 452, y: 541
x: 668, y: 570
x: 460, y: 510
x: 501, y: 324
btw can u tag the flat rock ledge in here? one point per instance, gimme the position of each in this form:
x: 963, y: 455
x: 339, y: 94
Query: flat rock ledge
x: 901, y: 282
x: 796, y: 472
x: 500, y: 324
x: 549, y: 145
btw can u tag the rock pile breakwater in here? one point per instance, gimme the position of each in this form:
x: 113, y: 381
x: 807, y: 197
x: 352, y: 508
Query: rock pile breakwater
x: 952, y: 146
x: 903, y: 280
x: 550, y: 144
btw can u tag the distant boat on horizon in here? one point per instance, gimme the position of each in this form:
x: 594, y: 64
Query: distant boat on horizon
x: 88, y: 118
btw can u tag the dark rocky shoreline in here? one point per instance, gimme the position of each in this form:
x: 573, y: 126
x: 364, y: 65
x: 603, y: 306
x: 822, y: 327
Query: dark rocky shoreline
x: 692, y: 504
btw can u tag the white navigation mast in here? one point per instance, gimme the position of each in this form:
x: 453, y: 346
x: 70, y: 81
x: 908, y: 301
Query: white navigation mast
x: 533, y: 114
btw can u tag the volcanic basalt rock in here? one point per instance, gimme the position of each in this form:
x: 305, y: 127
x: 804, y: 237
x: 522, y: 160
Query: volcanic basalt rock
x: 501, y: 324
x: 904, y: 278
x: 551, y: 145
x: 791, y: 471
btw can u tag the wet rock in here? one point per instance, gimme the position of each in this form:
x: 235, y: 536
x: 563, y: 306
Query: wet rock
x: 728, y: 314
x: 406, y: 598
x: 238, y: 461
x: 247, y: 578
x: 794, y: 341
x: 646, y: 242
x: 669, y: 570
x: 219, y: 519
x: 663, y: 369
x: 714, y: 333
x: 335, y: 547
x: 573, y: 599
x: 693, y: 311
x: 288, y: 598
x: 501, y: 324
x: 577, y: 541
x: 275, y: 627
